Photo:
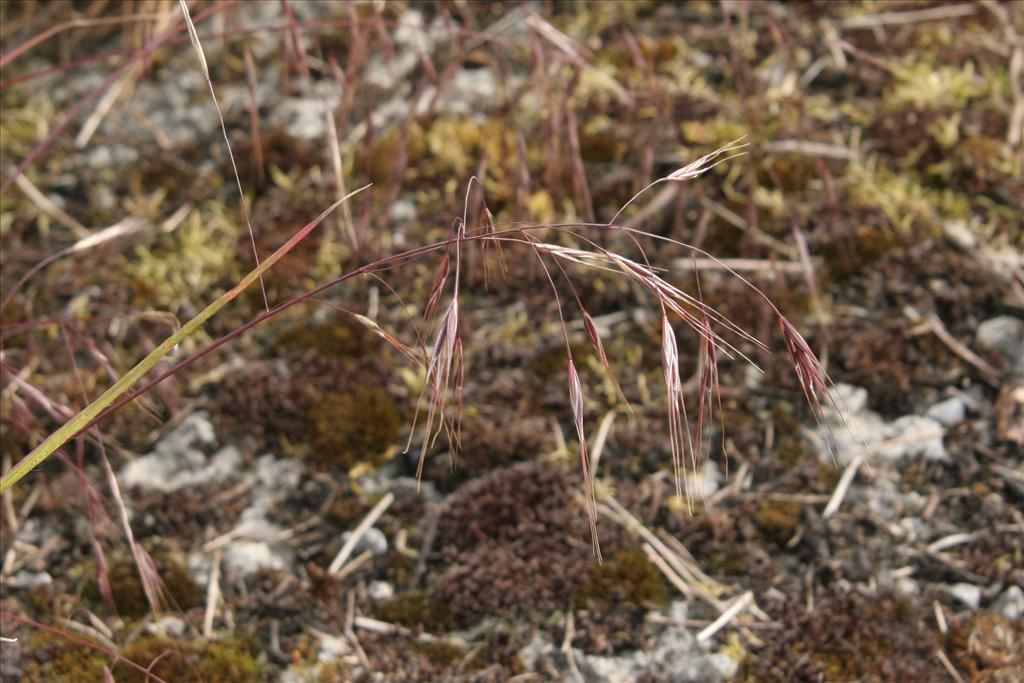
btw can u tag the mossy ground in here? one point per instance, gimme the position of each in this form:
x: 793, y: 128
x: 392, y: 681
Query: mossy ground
x: 877, y: 147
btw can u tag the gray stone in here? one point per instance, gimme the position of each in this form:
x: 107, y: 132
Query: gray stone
x: 850, y: 429
x: 248, y: 557
x: 168, y: 627
x: 966, y: 593
x: 27, y: 579
x: 1010, y: 604
x: 948, y: 412
x: 959, y: 233
x: 1003, y: 336
x: 711, y: 668
x: 167, y: 470
x: 380, y: 591
x: 373, y: 540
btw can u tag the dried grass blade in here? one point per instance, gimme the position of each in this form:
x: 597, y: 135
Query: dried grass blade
x: 123, y: 385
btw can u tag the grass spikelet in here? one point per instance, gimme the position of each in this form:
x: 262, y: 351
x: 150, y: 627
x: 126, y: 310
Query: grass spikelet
x: 809, y: 371
x: 692, y: 170
x: 595, y: 340
x: 678, y: 426
x: 576, y: 400
x: 440, y: 278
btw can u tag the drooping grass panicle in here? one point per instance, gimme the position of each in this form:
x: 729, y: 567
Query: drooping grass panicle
x: 575, y: 397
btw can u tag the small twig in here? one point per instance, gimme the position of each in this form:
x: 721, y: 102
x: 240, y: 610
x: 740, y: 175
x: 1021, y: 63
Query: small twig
x: 212, y: 596
x: 656, y: 618
x: 911, y: 17
x: 376, y: 626
x: 350, y: 634
x: 812, y: 149
x: 570, y: 633
x: 950, y: 541
x: 669, y: 573
x: 933, y: 324
x: 346, y: 550
x: 940, y: 617
x: 843, y: 486
x: 728, y: 615
x: 949, y: 666
x: 357, y: 562
x: 49, y: 208
x: 737, y: 221
x: 739, y: 265
x: 601, y: 439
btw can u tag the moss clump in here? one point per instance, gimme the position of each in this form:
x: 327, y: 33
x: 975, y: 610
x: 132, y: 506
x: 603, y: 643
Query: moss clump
x: 342, y: 338
x: 729, y: 563
x: 628, y: 577
x: 60, y: 660
x: 415, y: 609
x: 225, y: 661
x: 130, y: 598
x: 790, y: 449
x: 440, y: 652
x: 778, y: 519
x: 850, y: 637
x: 847, y: 255
x: 988, y: 647
x: 352, y: 427
x: 552, y: 362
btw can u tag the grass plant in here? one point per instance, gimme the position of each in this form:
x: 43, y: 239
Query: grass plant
x: 567, y: 207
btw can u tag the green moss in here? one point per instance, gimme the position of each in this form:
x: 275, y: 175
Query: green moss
x: 354, y: 427
x: 126, y: 586
x: 791, y: 451
x: 855, y: 251
x: 336, y: 671
x: 729, y: 563
x: 342, y: 338
x: 778, y: 519
x: 416, y: 608
x: 551, y: 363
x: 224, y: 661
x: 440, y: 652
x: 627, y: 577
x: 179, y: 269
x: 60, y: 660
